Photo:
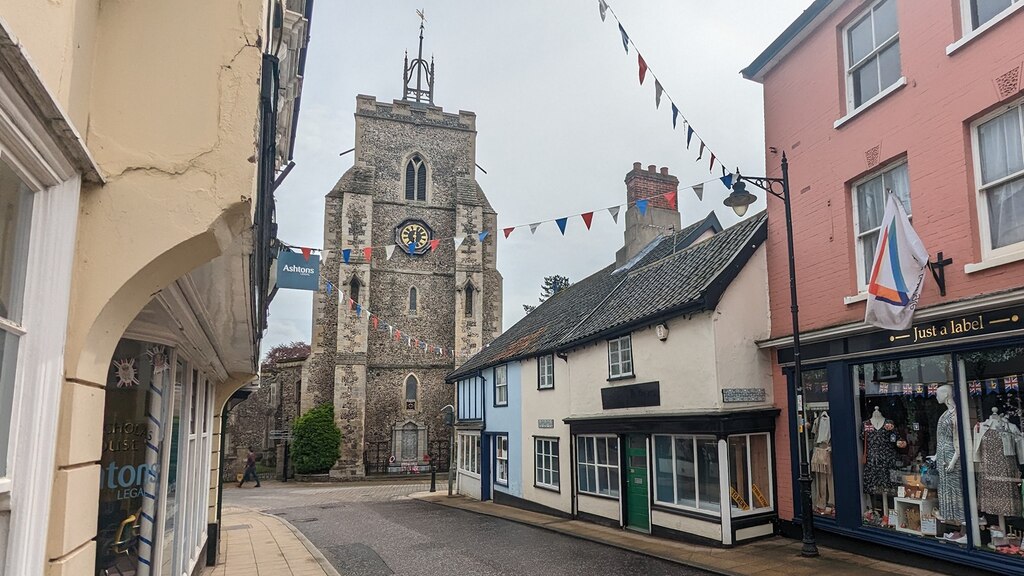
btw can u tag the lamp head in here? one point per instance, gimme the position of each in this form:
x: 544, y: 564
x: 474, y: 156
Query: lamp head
x: 739, y: 199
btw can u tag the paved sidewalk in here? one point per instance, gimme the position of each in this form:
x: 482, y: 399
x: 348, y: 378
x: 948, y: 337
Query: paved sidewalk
x: 257, y: 544
x: 769, y: 557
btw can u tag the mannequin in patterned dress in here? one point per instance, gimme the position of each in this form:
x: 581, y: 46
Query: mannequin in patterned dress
x: 947, y: 460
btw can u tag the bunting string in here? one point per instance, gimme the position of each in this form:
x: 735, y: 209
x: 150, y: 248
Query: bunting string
x: 645, y: 70
x: 587, y: 217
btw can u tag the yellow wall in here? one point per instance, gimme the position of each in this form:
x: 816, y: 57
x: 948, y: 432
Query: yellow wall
x: 166, y: 96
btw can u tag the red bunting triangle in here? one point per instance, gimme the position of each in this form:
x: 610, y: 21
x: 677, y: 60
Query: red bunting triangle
x: 398, y: 335
x: 375, y: 321
x: 306, y: 252
x: 587, y: 218
x: 643, y: 67
x: 351, y: 304
x: 434, y: 243
x: 367, y: 253
x: 671, y: 199
x: 508, y: 231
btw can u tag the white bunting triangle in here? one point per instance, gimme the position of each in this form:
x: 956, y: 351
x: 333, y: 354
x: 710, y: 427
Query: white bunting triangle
x: 533, y: 227
x: 389, y: 250
x: 614, y: 211
x: 324, y: 254
x: 458, y: 241
x: 699, y: 191
x: 603, y: 6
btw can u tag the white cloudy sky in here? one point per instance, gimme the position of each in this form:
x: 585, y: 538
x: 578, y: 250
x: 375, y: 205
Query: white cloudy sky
x: 560, y: 114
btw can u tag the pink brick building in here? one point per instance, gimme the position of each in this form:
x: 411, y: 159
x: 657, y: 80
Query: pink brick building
x: 924, y: 99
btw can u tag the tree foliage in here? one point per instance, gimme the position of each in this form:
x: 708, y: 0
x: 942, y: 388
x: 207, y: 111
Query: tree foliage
x: 316, y: 441
x: 552, y: 285
x: 283, y: 352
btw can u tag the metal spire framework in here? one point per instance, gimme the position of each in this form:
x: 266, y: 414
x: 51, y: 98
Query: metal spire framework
x: 422, y: 71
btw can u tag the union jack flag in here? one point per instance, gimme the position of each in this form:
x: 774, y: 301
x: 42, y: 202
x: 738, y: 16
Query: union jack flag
x: 1011, y: 383
x: 908, y: 389
x: 883, y: 387
x: 824, y: 387
x: 992, y: 386
x: 974, y: 387
x: 932, y: 390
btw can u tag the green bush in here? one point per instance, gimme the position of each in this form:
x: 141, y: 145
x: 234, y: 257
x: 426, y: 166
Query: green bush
x: 316, y: 441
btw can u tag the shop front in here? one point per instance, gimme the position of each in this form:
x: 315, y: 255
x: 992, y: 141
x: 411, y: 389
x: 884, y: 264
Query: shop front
x: 703, y: 478
x: 155, y: 464
x: 914, y: 438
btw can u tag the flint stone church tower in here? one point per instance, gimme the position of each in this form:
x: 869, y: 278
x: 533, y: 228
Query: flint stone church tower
x: 412, y: 182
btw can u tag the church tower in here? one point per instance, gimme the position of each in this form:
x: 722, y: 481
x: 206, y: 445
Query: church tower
x: 413, y: 181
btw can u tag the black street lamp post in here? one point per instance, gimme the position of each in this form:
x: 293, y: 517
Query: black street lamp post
x: 739, y: 199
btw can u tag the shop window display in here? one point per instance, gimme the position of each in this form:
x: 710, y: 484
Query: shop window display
x: 996, y: 446
x: 909, y: 447
x: 818, y: 433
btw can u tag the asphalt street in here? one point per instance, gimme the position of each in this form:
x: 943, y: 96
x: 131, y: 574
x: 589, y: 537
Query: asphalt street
x: 375, y: 530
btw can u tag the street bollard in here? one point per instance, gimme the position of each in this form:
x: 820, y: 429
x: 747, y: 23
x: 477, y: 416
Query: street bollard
x: 433, y: 476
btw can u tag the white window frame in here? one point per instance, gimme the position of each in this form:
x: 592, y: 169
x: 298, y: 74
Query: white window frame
x: 750, y: 491
x: 969, y: 32
x: 501, y: 456
x: 692, y: 438
x: 546, y: 372
x: 469, y: 453
x: 501, y: 385
x: 851, y: 67
x: 552, y: 456
x: 612, y: 467
x: 615, y: 369
x: 1012, y: 252
x: 862, y: 259
x: 27, y: 146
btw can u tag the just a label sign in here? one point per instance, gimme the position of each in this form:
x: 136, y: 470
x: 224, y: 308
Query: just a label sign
x: 298, y: 271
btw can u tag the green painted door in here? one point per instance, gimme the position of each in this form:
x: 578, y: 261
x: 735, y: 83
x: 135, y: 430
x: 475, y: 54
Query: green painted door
x: 638, y: 511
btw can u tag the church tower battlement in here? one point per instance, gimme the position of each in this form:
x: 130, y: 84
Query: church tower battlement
x: 412, y: 181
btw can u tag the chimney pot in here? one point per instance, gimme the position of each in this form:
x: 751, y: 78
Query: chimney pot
x: 636, y: 166
x: 652, y: 168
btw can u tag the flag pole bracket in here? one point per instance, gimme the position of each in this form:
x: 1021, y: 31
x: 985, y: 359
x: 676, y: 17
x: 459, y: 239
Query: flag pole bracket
x: 938, y: 269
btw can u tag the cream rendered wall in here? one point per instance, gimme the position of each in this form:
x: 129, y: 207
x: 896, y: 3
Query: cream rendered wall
x: 468, y: 485
x: 604, y: 507
x: 684, y: 364
x: 546, y: 404
x: 166, y: 95
x: 741, y: 319
x: 60, y: 37
x: 710, y: 530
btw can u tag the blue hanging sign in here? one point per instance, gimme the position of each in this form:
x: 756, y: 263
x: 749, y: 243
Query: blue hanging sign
x: 298, y: 271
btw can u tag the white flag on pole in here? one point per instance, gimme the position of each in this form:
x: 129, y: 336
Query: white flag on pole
x: 897, y: 271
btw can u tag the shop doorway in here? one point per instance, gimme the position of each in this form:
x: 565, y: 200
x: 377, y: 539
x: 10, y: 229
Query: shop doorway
x: 638, y: 504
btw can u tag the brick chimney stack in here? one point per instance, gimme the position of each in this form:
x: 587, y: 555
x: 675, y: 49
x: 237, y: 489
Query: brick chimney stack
x: 662, y: 214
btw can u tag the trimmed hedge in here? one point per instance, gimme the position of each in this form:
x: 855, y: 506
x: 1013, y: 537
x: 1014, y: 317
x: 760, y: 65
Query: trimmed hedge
x: 315, y: 441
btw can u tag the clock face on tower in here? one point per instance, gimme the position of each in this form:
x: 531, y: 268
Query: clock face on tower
x: 416, y: 233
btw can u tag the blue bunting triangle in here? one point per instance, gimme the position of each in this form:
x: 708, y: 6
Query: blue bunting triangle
x: 642, y: 205
x: 675, y: 114
x: 689, y: 135
x: 727, y: 180
x: 625, y: 38
x: 561, y: 224
x: 346, y: 254
x: 482, y: 235
x: 330, y: 288
x: 412, y: 247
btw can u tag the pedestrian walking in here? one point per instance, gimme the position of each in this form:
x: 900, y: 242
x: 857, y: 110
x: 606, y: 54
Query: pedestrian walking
x: 250, y: 469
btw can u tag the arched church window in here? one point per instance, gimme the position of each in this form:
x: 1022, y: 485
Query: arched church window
x: 416, y: 179
x: 412, y: 300
x: 411, y: 390
x: 353, y: 289
x: 469, y: 299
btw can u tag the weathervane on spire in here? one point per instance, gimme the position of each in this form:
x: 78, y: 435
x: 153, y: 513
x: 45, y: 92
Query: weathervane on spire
x: 420, y: 68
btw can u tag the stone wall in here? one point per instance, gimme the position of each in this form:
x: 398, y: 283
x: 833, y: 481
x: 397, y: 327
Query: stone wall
x: 274, y: 406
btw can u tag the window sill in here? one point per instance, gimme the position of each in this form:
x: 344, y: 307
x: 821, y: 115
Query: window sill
x: 623, y: 377
x: 552, y: 387
x: 874, y: 100
x: 697, y: 513
x: 995, y: 261
x: 592, y: 495
x: 859, y: 297
x: 554, y: 489
x: 970, y: 36
x: 468, y: 473
x: 505, y: 405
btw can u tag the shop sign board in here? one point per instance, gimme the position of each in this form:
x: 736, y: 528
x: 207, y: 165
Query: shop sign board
x: 298, y: 271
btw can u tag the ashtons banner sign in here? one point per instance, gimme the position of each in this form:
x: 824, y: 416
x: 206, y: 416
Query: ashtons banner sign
x: 298, y: 271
